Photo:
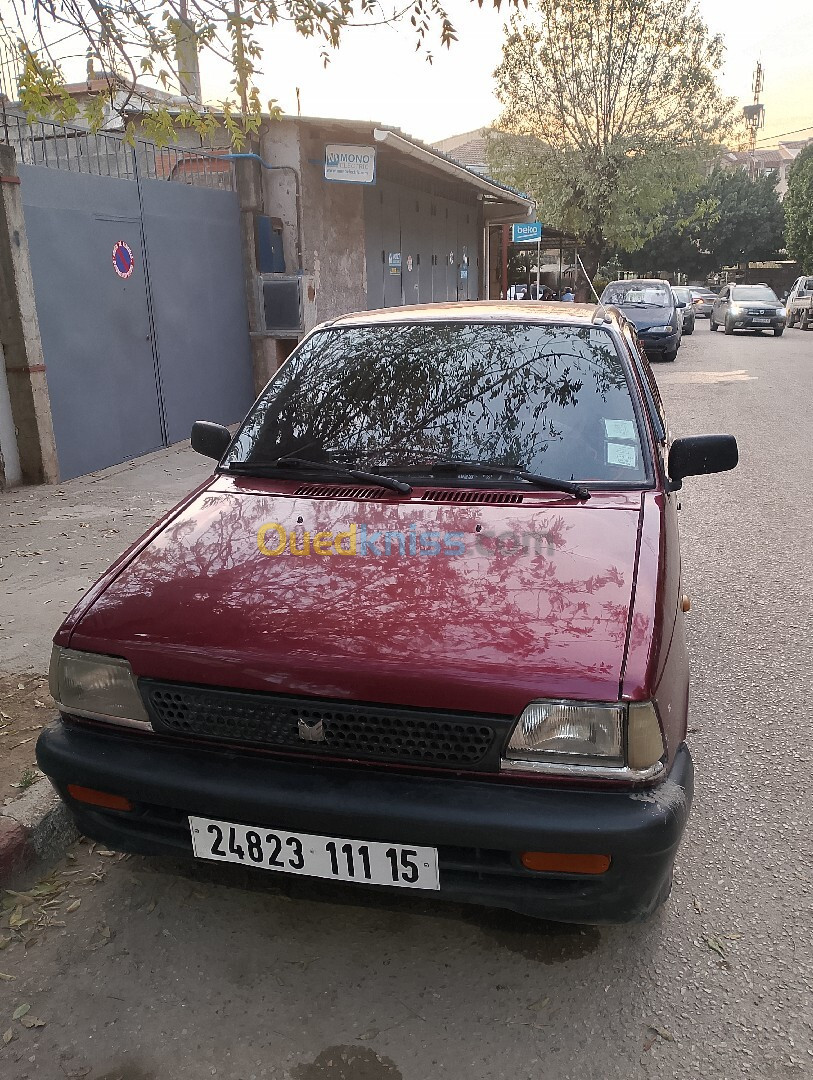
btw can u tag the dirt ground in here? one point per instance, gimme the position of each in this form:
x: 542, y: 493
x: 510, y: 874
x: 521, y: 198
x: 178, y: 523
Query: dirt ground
x: 25, y: 707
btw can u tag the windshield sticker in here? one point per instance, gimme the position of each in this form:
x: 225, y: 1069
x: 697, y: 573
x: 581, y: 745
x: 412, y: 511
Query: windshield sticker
x: 619, y: 429
x: 620, y: 454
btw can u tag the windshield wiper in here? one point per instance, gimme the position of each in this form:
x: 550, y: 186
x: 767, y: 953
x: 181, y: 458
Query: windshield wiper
x: 570, y: 487
x: 250, y: 468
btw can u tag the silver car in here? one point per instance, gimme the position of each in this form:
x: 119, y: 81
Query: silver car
x: 702, y: 302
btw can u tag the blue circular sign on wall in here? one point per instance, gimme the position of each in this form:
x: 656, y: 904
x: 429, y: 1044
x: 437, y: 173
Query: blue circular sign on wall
x: 123, y: 261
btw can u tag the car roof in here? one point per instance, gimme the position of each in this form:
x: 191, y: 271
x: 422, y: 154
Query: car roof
x: 639, y: 281
x: 518, y: 311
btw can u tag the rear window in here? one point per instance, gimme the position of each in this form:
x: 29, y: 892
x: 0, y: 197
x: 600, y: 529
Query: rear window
x: 753, y: 292
x: 550, y: 399
x: 637, y: 294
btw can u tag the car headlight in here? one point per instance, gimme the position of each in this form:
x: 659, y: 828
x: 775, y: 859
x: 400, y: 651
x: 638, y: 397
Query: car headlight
x: 782, y: 312
x: 617, y: 740
x: 734, y: 309
x: 96, y: 686
x: 662, y: 329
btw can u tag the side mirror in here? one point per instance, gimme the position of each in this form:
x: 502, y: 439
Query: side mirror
x: 679, y: 303
x: 697, y: 455
x: 209, y: 439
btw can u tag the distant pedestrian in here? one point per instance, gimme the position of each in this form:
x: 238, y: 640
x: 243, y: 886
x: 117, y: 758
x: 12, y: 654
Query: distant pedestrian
x: 568, y: 295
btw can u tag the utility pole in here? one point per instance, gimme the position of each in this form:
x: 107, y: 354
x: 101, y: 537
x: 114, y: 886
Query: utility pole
x: 755, y: 117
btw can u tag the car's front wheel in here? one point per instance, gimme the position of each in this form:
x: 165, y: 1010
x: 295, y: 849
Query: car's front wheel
x: 670, y: 356
x: 778, y: 331
x: 687, y: 330
x: 791, y: 318
x: 712, y: 324
x: 729, y: 326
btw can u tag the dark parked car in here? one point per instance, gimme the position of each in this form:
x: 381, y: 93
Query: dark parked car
x: 684, y: 296
x: 651, y: 307
x: 748, y: 307
x: 702, y: 301
x: 422, y: 629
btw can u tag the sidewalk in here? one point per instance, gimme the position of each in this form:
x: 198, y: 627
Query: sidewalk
x: 54, y: 542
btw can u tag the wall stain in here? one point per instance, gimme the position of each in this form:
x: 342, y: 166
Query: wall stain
x: 347, y: 1063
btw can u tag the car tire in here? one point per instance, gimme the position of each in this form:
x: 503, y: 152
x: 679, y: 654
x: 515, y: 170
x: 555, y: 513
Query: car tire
x: 689, y: 330
x: 669, y: 357
x: 791, y: 319
x: 778, y: 331
x: 729, y: 327
x: 803, y: 320
x: 712, y: 324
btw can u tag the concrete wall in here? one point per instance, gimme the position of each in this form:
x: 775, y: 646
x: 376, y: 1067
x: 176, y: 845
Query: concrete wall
x: 20, y: 336
x: 333, y: 238
x: 332, y: 220
x: 10, y: 472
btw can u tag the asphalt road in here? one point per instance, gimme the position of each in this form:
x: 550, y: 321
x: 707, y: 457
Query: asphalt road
x: 164, y: 972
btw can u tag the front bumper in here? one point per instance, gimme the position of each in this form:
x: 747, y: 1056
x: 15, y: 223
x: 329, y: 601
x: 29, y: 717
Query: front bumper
x: 757, y: 322
x: 479, y: 827
x: 659, y: 344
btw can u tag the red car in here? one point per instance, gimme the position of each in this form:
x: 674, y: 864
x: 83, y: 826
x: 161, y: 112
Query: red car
x: 422, y: 628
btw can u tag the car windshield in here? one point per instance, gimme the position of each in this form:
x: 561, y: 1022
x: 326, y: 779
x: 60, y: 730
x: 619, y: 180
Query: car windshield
x: 707, y: 294
x: 551, y: 399
x: 754, y: 292
x: 682, y: 294
x: 637, y: 293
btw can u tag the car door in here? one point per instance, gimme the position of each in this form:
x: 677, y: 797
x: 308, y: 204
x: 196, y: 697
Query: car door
x: 721, y: 306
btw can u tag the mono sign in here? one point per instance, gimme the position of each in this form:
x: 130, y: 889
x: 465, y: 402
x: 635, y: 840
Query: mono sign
x: 350, y: 164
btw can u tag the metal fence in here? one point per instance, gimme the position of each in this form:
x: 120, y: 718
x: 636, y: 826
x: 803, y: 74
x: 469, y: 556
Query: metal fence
x: 105, y: 153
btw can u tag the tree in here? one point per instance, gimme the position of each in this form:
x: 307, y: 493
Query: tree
x: 133, y: 41
x: 610, y: 107
x: 727, y: 219
x: 799, y: 209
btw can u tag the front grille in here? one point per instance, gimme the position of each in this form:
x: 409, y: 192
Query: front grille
x: 336, y: 729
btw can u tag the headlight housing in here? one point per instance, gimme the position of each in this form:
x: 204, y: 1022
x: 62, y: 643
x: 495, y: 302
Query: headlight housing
x: 96, y: 686
x: 661, y: 329
x: 734, y: 309
x: 572, y: 738
x: 782, y: 312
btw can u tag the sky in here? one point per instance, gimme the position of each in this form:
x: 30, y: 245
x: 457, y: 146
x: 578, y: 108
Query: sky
x: 378, y: 75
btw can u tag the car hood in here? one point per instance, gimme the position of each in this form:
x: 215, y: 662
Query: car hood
x: 644, y: 317
x: 519, y: 602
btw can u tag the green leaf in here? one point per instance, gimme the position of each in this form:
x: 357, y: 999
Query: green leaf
x: 20, y: 1011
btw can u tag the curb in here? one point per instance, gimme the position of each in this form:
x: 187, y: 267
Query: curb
x: 36, y: 827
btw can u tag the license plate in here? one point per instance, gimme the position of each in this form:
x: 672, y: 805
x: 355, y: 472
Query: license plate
x: 761, y: 320
x: 362, y: 861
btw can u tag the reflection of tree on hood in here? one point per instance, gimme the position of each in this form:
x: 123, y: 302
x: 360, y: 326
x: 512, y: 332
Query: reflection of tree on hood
x: 407, y: 393
x: 539, y: 604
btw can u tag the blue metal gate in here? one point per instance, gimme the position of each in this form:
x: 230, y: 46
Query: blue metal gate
x: 140, y: 293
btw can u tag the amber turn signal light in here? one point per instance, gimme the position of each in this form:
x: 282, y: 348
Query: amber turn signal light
x: 99, y: 798
x: 554, y: 862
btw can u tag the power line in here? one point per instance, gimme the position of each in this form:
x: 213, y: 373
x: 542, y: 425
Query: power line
x: 772, y: 138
